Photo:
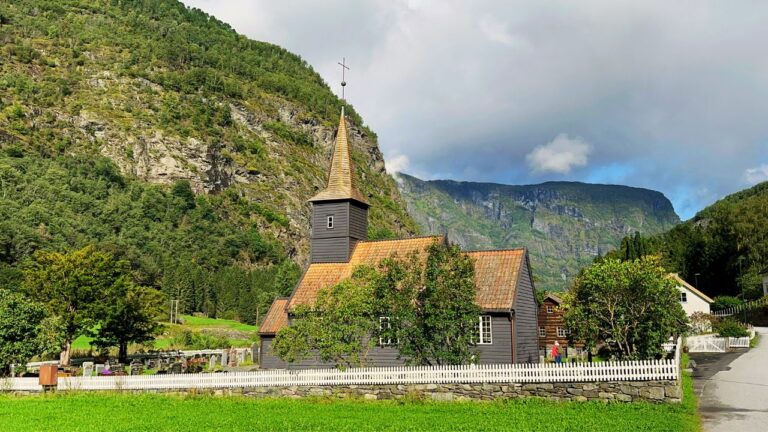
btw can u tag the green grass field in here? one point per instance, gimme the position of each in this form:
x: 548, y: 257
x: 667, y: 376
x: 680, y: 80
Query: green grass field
x: 83, y: 343
x: 126, y: 412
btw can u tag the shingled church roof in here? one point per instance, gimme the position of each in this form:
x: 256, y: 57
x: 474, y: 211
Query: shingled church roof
x: 341, y: 179
x: 496, y: 273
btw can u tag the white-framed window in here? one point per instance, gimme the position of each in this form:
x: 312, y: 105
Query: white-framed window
x: 484, y: 330
x: 549, y: 309
x: 561, y: 332
x: 384, y: 324
x: 542, y: 332
x: 683, y: 297
x: 329, y: 222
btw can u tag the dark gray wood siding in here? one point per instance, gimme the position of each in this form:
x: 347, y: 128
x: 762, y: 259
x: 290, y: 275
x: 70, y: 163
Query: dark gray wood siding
x: 358, y: 221
x: 500, y: 351
x: 320, y: 213
x: 326, y: 250
x: 526, y: 318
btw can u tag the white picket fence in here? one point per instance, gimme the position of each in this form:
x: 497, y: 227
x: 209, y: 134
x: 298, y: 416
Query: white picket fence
x: 502, y: 373
x: 711, y: 343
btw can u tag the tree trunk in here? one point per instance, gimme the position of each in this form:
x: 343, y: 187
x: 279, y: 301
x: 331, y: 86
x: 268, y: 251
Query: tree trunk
x: 66, y: 353
x: 122, y: 354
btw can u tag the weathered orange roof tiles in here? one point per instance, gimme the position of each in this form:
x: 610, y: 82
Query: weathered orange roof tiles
x: 276, y: 318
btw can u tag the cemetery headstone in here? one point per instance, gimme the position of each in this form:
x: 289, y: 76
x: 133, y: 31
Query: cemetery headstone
x: 224, y: 357
x: 176, y: 368
x: 87, y: 369
x: 99, y: 368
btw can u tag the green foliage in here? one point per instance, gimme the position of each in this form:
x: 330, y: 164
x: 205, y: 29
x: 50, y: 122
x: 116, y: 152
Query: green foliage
x: 340, y: 327
x: 73, y: 286
x: 25, y: 330
x: 730, y: 327
x: 725, y: 302
x: 200, y: 250
x: 287, y: 134
x: 78, y: 411
x: 200, y: 340
x: 726, y: 244
x: 130, y: 317
x: 431, y: 306
x: 633, y: 305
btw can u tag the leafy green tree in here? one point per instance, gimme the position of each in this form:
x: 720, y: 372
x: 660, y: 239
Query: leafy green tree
x: 130, y: 317
x: 633, y: 305
x: 25, y: 330
x: 340, y: 327
x: 73, y: 287
x: 431, y: 306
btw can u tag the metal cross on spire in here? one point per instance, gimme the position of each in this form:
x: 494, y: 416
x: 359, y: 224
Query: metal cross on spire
x: 344, y: 68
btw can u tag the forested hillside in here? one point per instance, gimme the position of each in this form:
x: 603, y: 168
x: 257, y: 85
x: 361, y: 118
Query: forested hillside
x: 157, y: 131
x: 726, y: 244
x: 564, y: 225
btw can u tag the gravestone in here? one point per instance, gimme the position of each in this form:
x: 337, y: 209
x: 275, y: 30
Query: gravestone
x: 211, y: 362
x: 224, y: 357
x: 137, y: 367
x: 240, y: 356
x: 254, y: 352
x: 87, y: 369
x: 176, y: 368
x: 99, y: 368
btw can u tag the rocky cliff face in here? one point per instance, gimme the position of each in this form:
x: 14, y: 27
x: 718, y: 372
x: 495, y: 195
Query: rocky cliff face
x: 170, y: 93
x: 564, y: 225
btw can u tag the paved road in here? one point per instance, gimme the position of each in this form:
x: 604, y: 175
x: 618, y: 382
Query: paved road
x: 736, y: 397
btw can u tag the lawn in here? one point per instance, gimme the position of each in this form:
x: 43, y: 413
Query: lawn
x: 147, y: 412
x: 83, y: 343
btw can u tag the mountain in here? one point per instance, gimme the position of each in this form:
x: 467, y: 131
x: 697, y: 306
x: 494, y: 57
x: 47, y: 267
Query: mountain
x: 565, y: 225
x: 724, y: 248
x: 123, y: 107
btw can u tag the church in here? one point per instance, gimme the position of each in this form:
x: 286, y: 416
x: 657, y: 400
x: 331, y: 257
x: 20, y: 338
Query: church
x: 507, y: 326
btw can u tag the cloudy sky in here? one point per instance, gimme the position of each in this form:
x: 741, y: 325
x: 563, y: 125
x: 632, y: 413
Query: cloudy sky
x: 668, y: 95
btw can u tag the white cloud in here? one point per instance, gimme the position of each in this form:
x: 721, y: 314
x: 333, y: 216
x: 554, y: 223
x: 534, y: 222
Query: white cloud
x: 560, y: 155
x: 756, y: 175
x: 398, y: 163
x: 497, y: 31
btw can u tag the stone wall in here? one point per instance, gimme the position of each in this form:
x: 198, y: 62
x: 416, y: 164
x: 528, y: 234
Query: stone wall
x: 623, y: 391
x: 652, y: 391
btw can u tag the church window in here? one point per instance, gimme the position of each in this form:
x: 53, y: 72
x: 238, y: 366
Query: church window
x: 485, y: 333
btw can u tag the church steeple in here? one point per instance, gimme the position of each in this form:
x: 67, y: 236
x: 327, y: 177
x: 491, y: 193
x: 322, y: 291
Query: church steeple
x: 340, y: 211
x: 341, y: 178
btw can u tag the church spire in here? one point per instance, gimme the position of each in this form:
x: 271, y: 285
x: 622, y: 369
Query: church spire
x: 341, y: 179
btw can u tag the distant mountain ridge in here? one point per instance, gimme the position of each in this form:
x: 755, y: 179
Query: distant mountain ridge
x: 565, y: 225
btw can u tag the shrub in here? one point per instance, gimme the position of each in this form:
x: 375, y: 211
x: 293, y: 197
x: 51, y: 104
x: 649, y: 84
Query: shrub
x: 702, y: 323
x: 731, y: 328
x: 725, y: 302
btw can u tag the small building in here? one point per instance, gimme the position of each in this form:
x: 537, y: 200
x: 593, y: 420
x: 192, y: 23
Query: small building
x: 552, y: 328
x: 505, y: 292
x: 691, y: 299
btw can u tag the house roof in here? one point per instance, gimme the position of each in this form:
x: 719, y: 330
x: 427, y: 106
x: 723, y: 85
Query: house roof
x: 496, y: 275
x: 276, y: 318
x: 496, y: 272
x: 321, y: 275
x: 341, y: 179
x: 690, y: 287
x: 554, y: 298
